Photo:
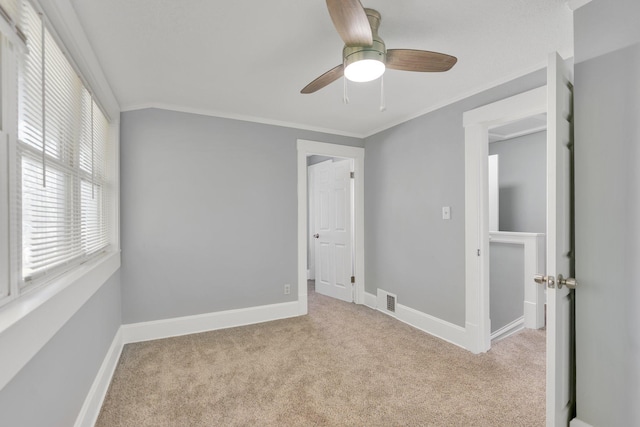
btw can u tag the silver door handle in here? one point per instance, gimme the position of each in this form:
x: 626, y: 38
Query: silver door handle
x: 317, y: 236
x: 569, y: 282
x: 550, y: 281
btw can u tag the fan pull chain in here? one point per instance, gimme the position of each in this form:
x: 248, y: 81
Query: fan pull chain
x: 345, y: 97
x: 383, y: 104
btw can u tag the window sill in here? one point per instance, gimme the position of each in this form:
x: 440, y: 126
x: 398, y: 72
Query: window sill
x: 30, y: 321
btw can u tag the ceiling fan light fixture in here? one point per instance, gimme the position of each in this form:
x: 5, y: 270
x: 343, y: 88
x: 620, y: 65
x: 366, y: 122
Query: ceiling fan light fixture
x: 363, y: 64
x: 364, y: 70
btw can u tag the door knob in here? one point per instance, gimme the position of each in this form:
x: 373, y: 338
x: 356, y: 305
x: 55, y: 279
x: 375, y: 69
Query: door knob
x: 569, y: 282
x: 317, y: 236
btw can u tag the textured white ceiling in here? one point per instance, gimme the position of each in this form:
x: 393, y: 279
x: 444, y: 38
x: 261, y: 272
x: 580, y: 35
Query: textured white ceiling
x: 248, y: 59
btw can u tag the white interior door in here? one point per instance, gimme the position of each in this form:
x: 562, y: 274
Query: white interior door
x: 560, y: 243
x: 332, y: 192
x: 311, y: 221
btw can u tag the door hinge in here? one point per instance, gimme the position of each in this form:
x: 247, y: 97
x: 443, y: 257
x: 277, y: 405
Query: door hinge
x: 353, y: 279
x: 478, y: 252
x: 352, y: 175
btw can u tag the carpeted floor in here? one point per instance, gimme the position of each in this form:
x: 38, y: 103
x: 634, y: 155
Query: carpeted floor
x: 342, y: 365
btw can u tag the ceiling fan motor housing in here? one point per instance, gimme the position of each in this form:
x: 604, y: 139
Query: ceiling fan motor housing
x: 376, y: 51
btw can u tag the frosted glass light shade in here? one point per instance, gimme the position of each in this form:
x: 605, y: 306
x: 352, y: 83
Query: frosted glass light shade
x: 364, y: 70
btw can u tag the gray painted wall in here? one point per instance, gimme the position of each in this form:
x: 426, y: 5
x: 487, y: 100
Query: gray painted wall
x: 209, y: 213
x: 522, y: 179
x: 506, y: 293
x: 607, y: 155
x: 51, y: 388
x: 411, y: 172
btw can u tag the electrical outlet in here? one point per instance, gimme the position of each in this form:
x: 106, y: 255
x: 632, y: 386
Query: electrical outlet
x: 446, y: 212
x: 287, y: 289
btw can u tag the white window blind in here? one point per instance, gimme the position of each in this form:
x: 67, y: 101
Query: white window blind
x: 63, y: 139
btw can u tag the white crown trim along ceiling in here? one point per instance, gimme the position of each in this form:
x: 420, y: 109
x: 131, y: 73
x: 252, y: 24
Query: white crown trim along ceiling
x: 253, y: 119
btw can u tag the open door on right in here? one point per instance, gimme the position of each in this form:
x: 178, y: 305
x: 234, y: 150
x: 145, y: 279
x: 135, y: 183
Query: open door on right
x: 560, y: 245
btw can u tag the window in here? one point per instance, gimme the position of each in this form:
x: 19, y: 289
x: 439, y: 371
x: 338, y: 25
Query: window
x: 57, y: 168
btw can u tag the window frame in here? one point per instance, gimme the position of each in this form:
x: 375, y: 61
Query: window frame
x: 9, y: 286
x: 5, y: 285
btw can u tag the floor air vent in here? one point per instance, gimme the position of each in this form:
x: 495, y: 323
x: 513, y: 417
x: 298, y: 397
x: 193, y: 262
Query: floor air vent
x: 391, y: 303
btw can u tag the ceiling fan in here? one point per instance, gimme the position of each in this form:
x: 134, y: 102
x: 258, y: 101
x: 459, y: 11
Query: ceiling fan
x: 365, y: 56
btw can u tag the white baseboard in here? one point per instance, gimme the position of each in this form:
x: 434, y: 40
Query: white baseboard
x: 93, y: 402
x: 577, y: 423
x: 158, y: 329
x: 370, y: 300
x: 508, y: 330
x: 432, y: 325
x: 439, y: 328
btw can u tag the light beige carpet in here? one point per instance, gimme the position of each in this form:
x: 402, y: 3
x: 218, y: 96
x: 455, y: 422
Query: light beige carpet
x: 342, y: 365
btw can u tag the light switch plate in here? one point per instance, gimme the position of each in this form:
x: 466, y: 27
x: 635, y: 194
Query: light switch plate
x: 446, y: 212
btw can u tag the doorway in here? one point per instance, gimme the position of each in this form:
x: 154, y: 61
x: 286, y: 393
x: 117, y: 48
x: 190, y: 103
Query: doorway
x: 356, y: 155
x: 517, y: 224
x: 477, y: 124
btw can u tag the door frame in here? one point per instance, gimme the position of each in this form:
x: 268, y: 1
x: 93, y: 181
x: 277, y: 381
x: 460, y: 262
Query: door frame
x: 477, y: 123
x: 307, y: 148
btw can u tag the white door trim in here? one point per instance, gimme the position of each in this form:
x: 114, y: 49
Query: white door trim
x: 477, y: 123
x: 307, y: 148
